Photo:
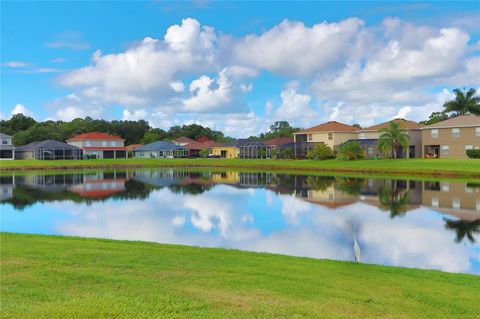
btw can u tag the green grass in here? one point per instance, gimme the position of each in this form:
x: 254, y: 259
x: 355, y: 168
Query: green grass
x: 67, y: 277
x: 421, y: 167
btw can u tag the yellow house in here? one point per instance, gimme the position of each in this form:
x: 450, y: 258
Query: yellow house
x: 229, y: 149
x: 331, y: 134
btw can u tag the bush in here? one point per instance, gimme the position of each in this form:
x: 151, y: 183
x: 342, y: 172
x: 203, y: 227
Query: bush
x: 320, y: 152
x: 286, y: 153
x: 351, y: 151
x: 473, y: 153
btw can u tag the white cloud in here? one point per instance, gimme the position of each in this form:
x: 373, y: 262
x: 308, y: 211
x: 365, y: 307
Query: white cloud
x: 69, y: 40
x: 21, y: 109
x: 58, y: 60
x: 17, y: 64
x: 177, y: 86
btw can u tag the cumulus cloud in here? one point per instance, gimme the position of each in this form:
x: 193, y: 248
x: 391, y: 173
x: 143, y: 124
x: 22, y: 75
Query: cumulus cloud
x: 21, y: 109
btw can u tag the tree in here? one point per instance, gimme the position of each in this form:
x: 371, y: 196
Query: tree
x: 17, y: 123
x: 286, y: 153
x: 320, y: 152
x: 275, y: 153
x: 463, y: 228
x: 262, y: 153
x: 357, y: 126
x: 392, y: 138
x: 153, y: 135
x: 435, y: 117
x: 351, y: 151
x: 463, y: 103
x: 279, y: 129
x: 204, y: 153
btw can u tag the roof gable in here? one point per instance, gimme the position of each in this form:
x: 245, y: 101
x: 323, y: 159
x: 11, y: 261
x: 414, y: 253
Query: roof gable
x: 403, y: 124
x: 459, y: 121
x: 159, y: 146
x: 95, y: 136
x: 332, y: 126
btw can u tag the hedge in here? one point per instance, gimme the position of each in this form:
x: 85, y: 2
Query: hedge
x: 473, y: 153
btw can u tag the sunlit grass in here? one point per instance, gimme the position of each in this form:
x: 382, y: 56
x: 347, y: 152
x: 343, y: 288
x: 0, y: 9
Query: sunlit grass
x: 64, y: 277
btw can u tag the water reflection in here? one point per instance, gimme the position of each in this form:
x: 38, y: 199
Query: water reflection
x: 426, y: 224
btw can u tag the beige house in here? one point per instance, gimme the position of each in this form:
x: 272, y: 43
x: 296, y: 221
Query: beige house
x: 332, y: 134
x: 369, y: 136
x: 451, y: 138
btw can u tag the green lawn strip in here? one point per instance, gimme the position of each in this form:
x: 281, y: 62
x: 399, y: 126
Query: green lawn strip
x: 421, y: 167
x: 58, y: 277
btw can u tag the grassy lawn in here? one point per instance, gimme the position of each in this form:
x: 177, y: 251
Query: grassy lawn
x: 425, y: 167
x: 65, y: 277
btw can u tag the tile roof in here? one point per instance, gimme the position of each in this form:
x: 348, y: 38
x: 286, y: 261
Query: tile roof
x: 105, y: 148
x: 403, y: 123
x: 159, y: 146
x: 45, y: 144
x: 459, y: 121
x: 278, y: 141
x: 331, y: 126
x: 183, y: 139
x: 203, y: 139
x: 200, y: 146
x: 131, y: 147
x: 235, y: 143
x: 94, y: 136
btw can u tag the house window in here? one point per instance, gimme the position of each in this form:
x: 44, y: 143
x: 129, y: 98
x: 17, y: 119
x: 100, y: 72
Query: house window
x: 468, y: 147
x: 88, y: 143
x: 434, y: 133
x: 434, y: 201
x: 478, y: 204
x: 477, y: 131
x: 456, y: 203
x: 445, y: 187
x: 445, y: 149
x: 361, y: 136
x: 330, y: 136
x: 370, y: 150
x: 4, y: 142
x: 104, y: 143
x: 455, y: 132
x: 310, y: 137
x: 112, y: 143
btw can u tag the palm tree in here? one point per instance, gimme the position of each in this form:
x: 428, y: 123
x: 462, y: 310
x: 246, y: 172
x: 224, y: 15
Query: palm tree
x: 391, y: 138
x: 464, y: 103
x: 463, y: 228
x: 393, y: 199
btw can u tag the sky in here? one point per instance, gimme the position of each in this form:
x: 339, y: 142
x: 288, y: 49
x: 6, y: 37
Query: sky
x: 236, y: 66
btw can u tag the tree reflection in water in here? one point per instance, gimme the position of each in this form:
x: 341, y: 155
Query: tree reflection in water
x: 393, y: 199
x: 463, y: 228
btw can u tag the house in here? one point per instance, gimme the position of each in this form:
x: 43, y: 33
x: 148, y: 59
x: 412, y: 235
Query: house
x: 451, y: 138
x: 195, y: 148
x: 160, y: 149
x: 49, y: 150
x: 230, y: 149
x: 7, y: 149
x: 332, y: 134
x: 368, y: 138
x: 131, y: 147
x: 255, y: 149
x: 182, y: 141
x: 203, y: 139
x: 281, y: 144
x: 99, y: 145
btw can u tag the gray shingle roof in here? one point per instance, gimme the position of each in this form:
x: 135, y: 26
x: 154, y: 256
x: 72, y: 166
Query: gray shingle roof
x: 159, y: 146
x: 236, y: 143
x: 45, y: 144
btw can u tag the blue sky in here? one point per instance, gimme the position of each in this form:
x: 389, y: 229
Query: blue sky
x: 236, y: 66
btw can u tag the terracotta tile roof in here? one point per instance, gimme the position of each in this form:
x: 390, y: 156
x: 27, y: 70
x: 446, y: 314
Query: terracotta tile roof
x: 403, y: 123
x: 201, y: 146
x: 278, y: 141
x: 183, y: 139
x: 133, y: 146
x: 331, y: 126
x: 95, y: 136
x: 203, y: 139
x: 459, y: 121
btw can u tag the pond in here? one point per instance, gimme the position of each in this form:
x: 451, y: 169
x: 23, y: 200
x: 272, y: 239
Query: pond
x: 412, y: 223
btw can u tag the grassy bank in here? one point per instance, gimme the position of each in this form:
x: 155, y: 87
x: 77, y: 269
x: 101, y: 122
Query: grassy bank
x: 65, y: 277
x: 419, y: 167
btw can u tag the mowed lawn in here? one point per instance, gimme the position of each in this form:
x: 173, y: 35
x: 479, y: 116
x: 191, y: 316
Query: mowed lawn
x: 451, y: 167
x: 65, y: 277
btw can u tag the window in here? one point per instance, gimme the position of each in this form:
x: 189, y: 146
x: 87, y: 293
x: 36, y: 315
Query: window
x: 477, y: 131
x: 5, y: 142
x: 434, y: 201
x: 445, y: 149
x: 445, y: 187
x: 434, y: 133
x: 330, y: 136
x: 310, y: 137
x: 478, y: 205
x: 456, y: 203
x: 88, y: 143
x: 455, y: 132
x: 361, y: 136
x: 104, y: 143
x: 469, y: 147
x: 112, y: 143
x: 370, y: 150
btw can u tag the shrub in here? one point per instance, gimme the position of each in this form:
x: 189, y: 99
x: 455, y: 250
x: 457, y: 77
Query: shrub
x: 473, y: 153
x: 286, y: 153
x: 351, y: 151
x: 320, y: 152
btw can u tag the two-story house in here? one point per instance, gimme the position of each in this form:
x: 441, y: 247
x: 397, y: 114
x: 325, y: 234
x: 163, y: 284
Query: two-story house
x: 7, y: 150
x: 451, y: 138
x: 332, y: 134
x: 368, y: 138
x: 99, y: 145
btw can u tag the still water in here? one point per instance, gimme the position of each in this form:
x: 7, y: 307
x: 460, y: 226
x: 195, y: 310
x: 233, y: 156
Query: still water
x: 422, y: 224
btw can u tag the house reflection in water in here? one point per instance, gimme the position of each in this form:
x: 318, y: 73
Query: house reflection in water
x: 100, y: 184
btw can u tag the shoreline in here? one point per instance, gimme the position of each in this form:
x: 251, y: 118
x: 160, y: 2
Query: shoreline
x: 435, y: 168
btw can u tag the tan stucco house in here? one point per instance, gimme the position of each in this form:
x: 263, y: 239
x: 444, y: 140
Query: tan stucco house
x: 451, y: 138
x: 369, y: 136
x: 332, y: 134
